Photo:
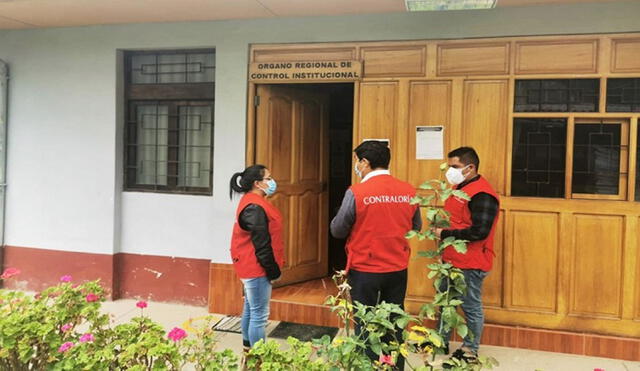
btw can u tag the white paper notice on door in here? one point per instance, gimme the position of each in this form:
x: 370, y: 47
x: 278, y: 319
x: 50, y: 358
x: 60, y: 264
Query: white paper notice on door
x: 429, y: 142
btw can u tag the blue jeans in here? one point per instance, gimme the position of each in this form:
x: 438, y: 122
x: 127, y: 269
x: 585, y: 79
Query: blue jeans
x: 472, y: 308
x: 257, y: 293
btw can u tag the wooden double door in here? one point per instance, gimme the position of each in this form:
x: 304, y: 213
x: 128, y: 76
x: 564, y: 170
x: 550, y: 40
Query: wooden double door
x: 291, y: 139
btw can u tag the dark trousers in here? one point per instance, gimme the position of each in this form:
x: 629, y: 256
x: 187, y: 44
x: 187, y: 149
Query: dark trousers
x: 373, y: 288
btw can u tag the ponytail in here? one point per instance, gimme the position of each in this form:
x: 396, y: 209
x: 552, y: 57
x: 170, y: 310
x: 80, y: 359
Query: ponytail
x: 243, y: 182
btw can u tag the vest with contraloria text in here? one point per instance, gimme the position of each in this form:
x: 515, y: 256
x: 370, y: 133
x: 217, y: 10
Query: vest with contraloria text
x: 384, y: 215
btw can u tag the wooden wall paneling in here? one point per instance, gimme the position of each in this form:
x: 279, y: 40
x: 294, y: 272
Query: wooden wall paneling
x: 419, y: 286
x: 432, y: 60
x: 473, y: 59
x: 604, y: 58
x: 636, y: 246
x: 225, y: 290
x: 559, y: 56
x: 429, y: 105
x: 629, y: 267
x: 378, y: 111
x: 566, y: 253
x: 597, y: 279
x: 399, y: 167
x: 296, y: 54
x: 457, y: 114
x: 484, y: 124
x: 534, y: 263
x: 493, y: 287
x: 625, y: 55
x: 394, y: 61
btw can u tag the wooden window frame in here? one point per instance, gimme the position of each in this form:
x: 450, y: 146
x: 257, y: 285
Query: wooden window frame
x: 624, y: 159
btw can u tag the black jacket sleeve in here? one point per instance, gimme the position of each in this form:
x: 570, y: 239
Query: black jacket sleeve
x: 254, y: 219
x: 484, y: 209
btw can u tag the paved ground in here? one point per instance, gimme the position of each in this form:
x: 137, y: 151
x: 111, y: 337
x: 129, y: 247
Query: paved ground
x: 170, y: 315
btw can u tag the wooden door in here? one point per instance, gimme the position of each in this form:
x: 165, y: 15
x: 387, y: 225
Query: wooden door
x: 292, y: 141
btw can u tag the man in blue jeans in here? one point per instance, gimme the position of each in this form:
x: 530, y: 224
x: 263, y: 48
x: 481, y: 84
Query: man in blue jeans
x: 474, y: 221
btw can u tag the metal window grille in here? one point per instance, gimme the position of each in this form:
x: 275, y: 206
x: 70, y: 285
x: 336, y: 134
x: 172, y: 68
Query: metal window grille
x: 538, y: 160
x: 623, y: 95
x: 557, y: 95
x: 169, y: 123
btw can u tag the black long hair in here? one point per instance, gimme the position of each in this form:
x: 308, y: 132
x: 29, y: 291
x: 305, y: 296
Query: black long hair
x: 243, y: 182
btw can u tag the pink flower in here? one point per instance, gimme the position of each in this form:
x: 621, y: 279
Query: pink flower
x: 386, y: 359
x: 37, y: 296
x: 177, y: 334
x: 75, y: 285
x: 65, y: 278
x: 66, y: 327
x: 86, y: 338
x: 91, y: 298
x: 66, y: 346
x: 141, y: 304
x: 9, y: 272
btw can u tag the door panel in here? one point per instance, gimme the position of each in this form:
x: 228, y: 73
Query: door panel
x: 292, y: 141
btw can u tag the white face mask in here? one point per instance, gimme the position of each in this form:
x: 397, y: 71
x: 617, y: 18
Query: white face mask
x: 355, y: 168
x: 454, y: 176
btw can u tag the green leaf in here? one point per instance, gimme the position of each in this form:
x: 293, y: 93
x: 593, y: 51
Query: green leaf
x: 462, y: 330
x: 426, y: 185
x: 410, y: 234
x: 461, y: 194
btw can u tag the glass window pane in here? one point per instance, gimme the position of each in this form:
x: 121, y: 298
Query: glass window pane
x: 596, y: 159
x: 152, y: 144
x: 557, y: 95
x: 143, y: 69
x: 538, y: 162
x: 623, y: 95
x: 173, y: 68
x: 196, y: 130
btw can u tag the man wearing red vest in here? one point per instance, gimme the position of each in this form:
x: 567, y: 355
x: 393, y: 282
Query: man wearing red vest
x: 375, y: 215
x: 474, y: 221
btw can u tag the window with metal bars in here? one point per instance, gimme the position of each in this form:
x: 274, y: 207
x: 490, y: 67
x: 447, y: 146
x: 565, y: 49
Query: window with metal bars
x: 557, y: 95
x: 538, y: 163
x: 599, y: 159
x: 623, y: 95
x: 169, y: 121
x: 599, y: 151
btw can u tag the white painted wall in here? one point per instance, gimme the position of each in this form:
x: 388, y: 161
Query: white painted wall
x: 64, y: 160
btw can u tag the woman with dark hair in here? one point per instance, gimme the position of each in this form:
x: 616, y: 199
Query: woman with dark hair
x: 257, y: 247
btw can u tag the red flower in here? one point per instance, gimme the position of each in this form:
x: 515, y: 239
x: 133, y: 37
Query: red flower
x: 141, y: 304
x: 9, y: 272
x: 65, y: 278
x: 91, y: 298
x: 66, y: 346
x: 177, y: 334
x: 386, y: 359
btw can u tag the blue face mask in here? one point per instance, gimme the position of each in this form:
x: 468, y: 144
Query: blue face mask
x: 271, y: 187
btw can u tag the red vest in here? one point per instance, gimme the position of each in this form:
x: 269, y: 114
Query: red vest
x: 243, y: 252
x: 383, y: 216
x: 479, y: 253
